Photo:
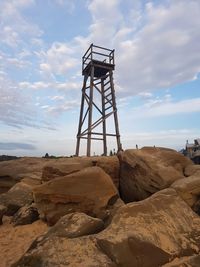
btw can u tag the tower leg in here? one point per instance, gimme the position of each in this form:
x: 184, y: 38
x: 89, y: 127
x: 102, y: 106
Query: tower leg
x: 119, y: 147
x: 90, y: 112
x: 81, y: 116
x: 103, y: 116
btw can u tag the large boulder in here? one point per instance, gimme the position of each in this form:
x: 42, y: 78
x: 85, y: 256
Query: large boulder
x: 60, y: 252
x: 90, y: 190
x: 148, y: 170
x: 65, y: 166
x: 188, y: 188
x: 151, y: 232
x: 18, y: 196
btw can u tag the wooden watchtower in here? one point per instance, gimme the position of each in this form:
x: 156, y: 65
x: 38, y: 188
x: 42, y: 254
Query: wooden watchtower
x: 98, y: 64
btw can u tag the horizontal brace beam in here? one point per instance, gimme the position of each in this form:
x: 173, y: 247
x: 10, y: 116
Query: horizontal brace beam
x: 102, y: 77
x: 105, y: 134
x: 107, y: 49
x: 93, y: 138
x: 101, y: 54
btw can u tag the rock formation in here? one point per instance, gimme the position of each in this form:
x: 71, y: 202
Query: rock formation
x: 90, y: 190
x: 146, y: 171
x: 63, y: 167
x: 90, y: 224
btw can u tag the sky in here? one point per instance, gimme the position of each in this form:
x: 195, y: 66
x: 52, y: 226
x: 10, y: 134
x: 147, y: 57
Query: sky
x: 157, y: 74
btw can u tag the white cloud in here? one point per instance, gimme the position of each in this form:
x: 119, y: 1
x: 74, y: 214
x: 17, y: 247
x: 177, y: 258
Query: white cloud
x: 14, y: 26
x: 57, y: 97
x: 166, y: 107
x: 58, y: 59
x: 171, y: 138
x: 164, y: 52
x: 40, y: 85
x: 156, y: 44
x: 61, y: 107
x: 69, y: 5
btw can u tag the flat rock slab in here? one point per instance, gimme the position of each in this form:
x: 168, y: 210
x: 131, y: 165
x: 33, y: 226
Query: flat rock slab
x: 75, y: 225
x: 23, y: 167
x: 66, y: 166
x: 90, y: 191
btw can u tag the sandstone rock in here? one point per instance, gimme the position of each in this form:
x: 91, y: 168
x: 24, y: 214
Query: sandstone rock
x: 90, y: 191
x: 112, y: 210
x: 196, y: 207
x: 2, y: 212
x: 23, y: 167
x: 25, y: 215
x: 18, y: 196
x: 151, y: 232
x: 75, y: 225
x: 15, y: 241
x: 148, y: 170
x: 6, y: 182
x: 60, y: 252
x: 188, y: 188
x: 31, y: 181
x: 192, y: 261
x: 65, y: 166
x: 191, y: 169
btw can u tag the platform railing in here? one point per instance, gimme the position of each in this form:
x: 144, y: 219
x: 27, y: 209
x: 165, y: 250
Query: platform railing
x: 98, y: 53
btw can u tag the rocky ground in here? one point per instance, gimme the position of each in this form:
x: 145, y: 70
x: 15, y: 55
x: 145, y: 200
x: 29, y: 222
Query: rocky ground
x: 138, y: 209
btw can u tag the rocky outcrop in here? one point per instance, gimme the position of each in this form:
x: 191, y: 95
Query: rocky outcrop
x: 148, y: 170
x: 15, y: 240
x: 60, y: 252
x: 191, y: 170
x: 75, y: 225
x: 90, y: 190
x: 22, y: 168
x: 151, y: 232
x: 6, y: 182
x: 25, y: 215
x: 18, y: 196
x: 66, y: 166
x: 192, y: 261
x: 188, y: 188
x: 196, y: 207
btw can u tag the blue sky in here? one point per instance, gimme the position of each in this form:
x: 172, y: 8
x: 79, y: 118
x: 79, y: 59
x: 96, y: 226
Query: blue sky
x: 156, y: 77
